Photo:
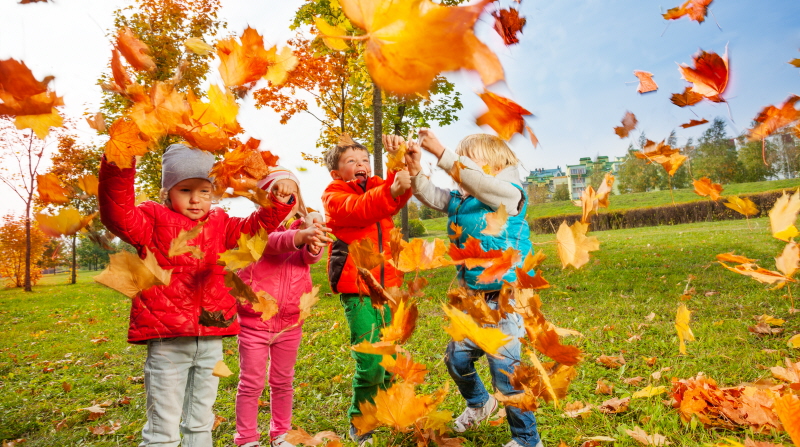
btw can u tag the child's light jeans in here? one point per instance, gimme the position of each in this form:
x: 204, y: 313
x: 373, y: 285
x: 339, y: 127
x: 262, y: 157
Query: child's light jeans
x: 180, y: 390
x: 460, y: 360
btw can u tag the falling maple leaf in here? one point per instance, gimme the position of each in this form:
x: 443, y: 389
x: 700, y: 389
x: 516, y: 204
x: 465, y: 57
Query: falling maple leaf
x: 239, y: 289
x: 180, y: 244
x: 242, y: 167
x: 40, y: 124
x: 50, y: 189
x: 221, y: 370
x: 508, y: 23
x: 770, y: 119
x: 419, y: 254
x: 761, y: 275
x: 213, y: 123
x: 409, y: 43
x: 330, y: 34
x: 404, y: 367
x: 504, y: 116
x: 97, y: 122
x: 365, y: 255
x: 787, y: 407
x: 646, y: 82
x: 88, y: 184
x: 709, y: 77
x: 462, y: 326
x: 377, y: 348
x: 267, y: 306
x: 496, y: 221
x: 787, y: 262
x: 282, y: 62
x: 129, y: 274
x: 455, y: 232
x: 682, y: 327
x: 245, y: 62
x: 694, y: 9
x: 730, y: 257
x: 500, y: 266
x: 705, y: 188
x: 307, y: 301
x: 743, y: 206
x: 397, y: 407
x: 125, y: 143
x: 161, y: 111
x: 197, y: 46
x: 670, y: 159
x: 604, y: 190
x: 693, y: 123
x: 17, y: 79
x: 249, y: 250
x: 395, y: 161
x: 629, y: 122
x: 688, y: 98
x: 783, y: 215
x: 526, y: 281
x: 472, y: 254
x: 573, y: 244
x: 134, y: 51
x: 455, y: 171
x: 643, y: 438
x: 67, y: 222
x: 404, y: 321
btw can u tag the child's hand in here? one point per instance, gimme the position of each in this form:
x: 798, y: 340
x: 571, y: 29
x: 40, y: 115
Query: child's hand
x: 429, y: 142
x: 282, y: 191
x: 392, y: 142
x: 413, y: 157
x: 314, y: 237
x: 402, y: 182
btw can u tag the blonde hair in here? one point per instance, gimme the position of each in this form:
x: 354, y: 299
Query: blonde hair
x: 489, y: 148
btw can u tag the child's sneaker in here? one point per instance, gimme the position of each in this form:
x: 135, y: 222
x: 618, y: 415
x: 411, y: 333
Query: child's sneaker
x: 514, y: 443
x: 281, y: 441
x: 474, y: 416
x: 361, y: 440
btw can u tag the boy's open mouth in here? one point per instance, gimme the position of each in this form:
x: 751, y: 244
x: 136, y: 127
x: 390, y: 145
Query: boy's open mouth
x: 361, y: 175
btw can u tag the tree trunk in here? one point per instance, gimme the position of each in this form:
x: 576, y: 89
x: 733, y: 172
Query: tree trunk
x: 377, y: 130
x: 28, y: 245
x: 74, y: 261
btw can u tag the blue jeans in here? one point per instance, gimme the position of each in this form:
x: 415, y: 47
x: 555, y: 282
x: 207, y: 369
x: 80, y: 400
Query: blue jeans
x: 180, y: 391
x: 460, y: 360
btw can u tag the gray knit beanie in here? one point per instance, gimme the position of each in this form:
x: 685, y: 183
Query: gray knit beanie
x: 181, y: 162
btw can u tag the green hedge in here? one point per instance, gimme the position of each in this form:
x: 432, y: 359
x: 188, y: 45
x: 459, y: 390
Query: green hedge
x: 700, y: 211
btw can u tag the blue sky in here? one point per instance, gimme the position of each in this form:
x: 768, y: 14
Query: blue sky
x: 573, y: 69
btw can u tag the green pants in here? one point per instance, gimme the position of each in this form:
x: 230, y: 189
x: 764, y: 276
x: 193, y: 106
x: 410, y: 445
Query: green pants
x: 365, y: 324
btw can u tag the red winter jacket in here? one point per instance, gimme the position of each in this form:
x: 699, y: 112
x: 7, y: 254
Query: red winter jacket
x: 282, y: 272
x: 197, y: 285
x: 354, y: 213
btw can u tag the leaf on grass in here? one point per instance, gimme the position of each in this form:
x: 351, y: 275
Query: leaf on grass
x: 682, y: 318
x: 770, y: 119
x: 694, y: 9
x: 67, y: 222
x: 693, y: 123
x: 180, y: 244
x: 250, y: 248
x: 496, y: 221
x: 573, y: 244
x: 221, y: 370
x: 646, y: 82
x: 794, y: 341
x: 610, y: 361
x: 604, y: 387
x: 629, y: 122
x: 649, y: 391
x: 129, y: 274
x: 615, y: 405
x: 577, y: 409
x: 50, y: 189
x: 643, y: 438
x: 301, y: 436
x: 705, y: 188
x: 134, y: 50
x: 419, y: 254
x: 409, y: 43
x: 462, y: 326
x: 104, y: 429
x: 504, y: 115
x: 783, y: 215
x: 743, y: 206
x: 709, y: 76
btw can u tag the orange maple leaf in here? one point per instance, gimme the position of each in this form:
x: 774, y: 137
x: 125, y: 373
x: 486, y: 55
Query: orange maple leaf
x: 50, y: 189
x: 409, y: 43
x: 134, y: 50
x: 364, y: 254
x: 161, y: 111
x: 688, y: 98
x: 455, y: 232
x: 704, y: 187
x: 573, y: 245
x: 787, y: 407
x: 242, y: 63
x: 406, y: 368
x: 240, y: 168
x: 211, y: 124
x: 670, y: 159
x: 404, y: 321
x: 125, y: 143
x: 693, y: 123
x: 462, y: 326
x: 772, y: 118
x: 694, y: 9
x: 420, y: 254
x: 629, y: 122
x: 709, y: 77
x: 646, y: 82
x: 118, y: 72
x: 500, y: 266
x: 730, y: 257
x: 508, y: 23
x: 526, y: 281
x: 504, y: 116
x: 17, y: 80
x: 472, y: 254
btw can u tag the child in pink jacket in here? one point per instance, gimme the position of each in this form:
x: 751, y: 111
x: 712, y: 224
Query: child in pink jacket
x: 283, y: 273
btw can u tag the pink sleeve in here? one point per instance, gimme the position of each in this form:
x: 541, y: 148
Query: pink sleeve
x: 311, y: 258
x: 280, y: 242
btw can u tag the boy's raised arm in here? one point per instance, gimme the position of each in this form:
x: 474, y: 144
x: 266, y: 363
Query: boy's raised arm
x: 117, y: 203
x: 429, y: 194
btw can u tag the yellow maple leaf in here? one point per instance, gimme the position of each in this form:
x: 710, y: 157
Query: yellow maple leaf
x: 307, y: 301
x: 266, y: 305
x: 180, y: 244
x: 40, y: 124
x: 329, y: 34
x: 88, y: 184
x: 281, y: 63
x: 67, y: 222
x: 649, y: 391
x: 197, y: 46
x: 742, y: 206
x: 129, y: 274
x: 249, y: 250
x: 462, y: 326
x: 682, y: 319
x: 783, y: 215
x: 221, y: 370
x: 496, y: 221
x: 573, y: 244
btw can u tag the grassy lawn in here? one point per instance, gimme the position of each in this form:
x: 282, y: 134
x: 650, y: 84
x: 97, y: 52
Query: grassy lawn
x: 658, y: 198
x: 46, y: 342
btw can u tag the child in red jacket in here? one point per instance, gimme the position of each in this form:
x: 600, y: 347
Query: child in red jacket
x: 358, y: 206
x: 183, y: 322
x: 283, y: 272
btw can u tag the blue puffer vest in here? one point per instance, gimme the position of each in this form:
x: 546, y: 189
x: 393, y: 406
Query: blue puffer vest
x: 470, y: 214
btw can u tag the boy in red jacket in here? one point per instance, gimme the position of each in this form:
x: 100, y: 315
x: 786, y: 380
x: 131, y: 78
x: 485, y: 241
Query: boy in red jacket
x: 181, y: 323
x: 358, y: 206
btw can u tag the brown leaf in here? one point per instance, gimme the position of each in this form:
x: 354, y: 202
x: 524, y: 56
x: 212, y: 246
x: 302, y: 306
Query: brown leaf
x: 629, y: 122
x: 643, y: 438
x: 604, y: 387
x: 611, y: 361
x: 614, y: 405
x: 688, y: 98
x: 646, y: 82
x: 508, y: 23
x: 693, y: 123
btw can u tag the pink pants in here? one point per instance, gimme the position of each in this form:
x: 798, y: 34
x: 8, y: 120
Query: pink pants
x: 256, y: 348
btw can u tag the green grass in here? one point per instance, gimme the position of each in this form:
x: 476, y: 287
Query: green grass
x: 636, y: 272
x: 657, y: 198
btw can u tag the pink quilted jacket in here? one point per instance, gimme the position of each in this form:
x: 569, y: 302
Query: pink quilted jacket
x: 284, y: 273
x: 196, y: 301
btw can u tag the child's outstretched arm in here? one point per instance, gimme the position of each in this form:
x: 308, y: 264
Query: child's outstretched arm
x: 429, y: 194
x: 267, y: 218
x: 491, y: 190
x: 117, y: 203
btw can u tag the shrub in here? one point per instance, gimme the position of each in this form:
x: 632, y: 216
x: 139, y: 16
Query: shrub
x: 415, y: 228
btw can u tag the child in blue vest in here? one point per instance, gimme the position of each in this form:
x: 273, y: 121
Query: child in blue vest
x: 489, y: 179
